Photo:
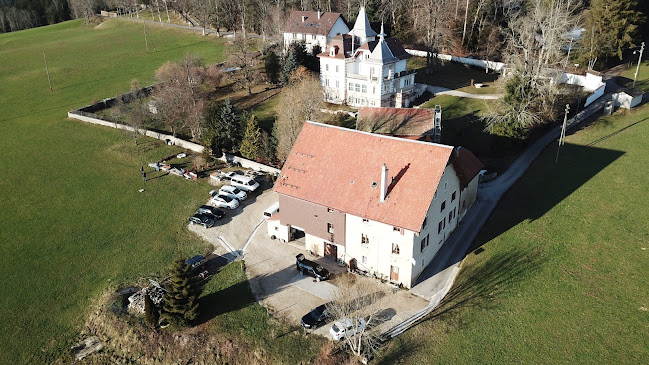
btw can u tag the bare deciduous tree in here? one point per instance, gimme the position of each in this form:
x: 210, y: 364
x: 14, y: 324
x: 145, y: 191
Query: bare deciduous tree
x: 246, y: 62
x: 298, y: 103
x: 358, y: 299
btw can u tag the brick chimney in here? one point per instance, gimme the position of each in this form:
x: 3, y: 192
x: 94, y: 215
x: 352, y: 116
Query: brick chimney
x: 384, y: 182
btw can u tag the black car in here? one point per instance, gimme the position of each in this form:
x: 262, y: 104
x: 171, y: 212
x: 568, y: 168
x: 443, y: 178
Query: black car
x: 316, y: 317
x: 311, y: 268
x: 214, y: 212
x: 204, y: 220
x: 195, y: 261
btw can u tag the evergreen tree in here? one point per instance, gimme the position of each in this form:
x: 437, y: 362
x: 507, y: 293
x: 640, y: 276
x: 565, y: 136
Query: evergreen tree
x: 229, y: 131
x: 181, y: 299
x: 151, y: 313
x: 290, y: 65
x: 272, y: 67
x: 250, y: 146
x: 611, y: 27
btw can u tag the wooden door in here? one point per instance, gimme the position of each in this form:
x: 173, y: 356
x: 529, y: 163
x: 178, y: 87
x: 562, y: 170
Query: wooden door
x: 331, y: 250
x: 394, y: 273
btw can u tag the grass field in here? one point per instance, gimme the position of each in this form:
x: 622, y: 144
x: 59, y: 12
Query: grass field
x: 642, y: 81
x: 454, y: 76
x: 72, y: 221
x: 559, y: 274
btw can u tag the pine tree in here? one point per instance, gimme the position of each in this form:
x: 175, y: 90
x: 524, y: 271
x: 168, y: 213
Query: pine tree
x: 151, y: 313
x: 611, y: 27
x: 251, y: 143
x: 229, y: 130
x: 272, y: 67
x: 181, y: 299
x: 290, y: 65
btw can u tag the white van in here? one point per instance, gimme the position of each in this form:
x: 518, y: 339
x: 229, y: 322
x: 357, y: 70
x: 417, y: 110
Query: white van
x: 244, y: 182
x: 271, y: 210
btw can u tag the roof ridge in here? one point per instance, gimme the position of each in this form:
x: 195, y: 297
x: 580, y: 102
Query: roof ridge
x: 379, y: 135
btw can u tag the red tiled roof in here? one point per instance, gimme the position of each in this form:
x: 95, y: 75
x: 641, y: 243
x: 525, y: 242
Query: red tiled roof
x: 344, y: 43
x: 466, y: 165
x: 311, y: 25
x: 396, y: 121
x: 336, y: 167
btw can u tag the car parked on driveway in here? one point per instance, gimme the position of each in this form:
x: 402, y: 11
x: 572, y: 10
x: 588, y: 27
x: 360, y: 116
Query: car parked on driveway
x: 309, y: 267
x: 215, y: 212
x: 224, y: 202
x: 231, y: 191
x: 316, y: 317
x: 346, y: 327
x: 195, y: 261
x: 204, y: 220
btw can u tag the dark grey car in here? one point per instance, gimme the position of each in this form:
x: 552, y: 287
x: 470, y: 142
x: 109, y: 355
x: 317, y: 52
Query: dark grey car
x: 203, y: 219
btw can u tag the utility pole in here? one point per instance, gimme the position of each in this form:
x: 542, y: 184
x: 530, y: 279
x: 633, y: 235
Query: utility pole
x: 635, y: 77
x: 562, y: 137
x: 47, y: 71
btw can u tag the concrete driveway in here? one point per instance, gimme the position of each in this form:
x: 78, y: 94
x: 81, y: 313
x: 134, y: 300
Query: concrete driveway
x: 276, y: 283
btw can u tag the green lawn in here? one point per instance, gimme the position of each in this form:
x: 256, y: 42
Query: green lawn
x: 642, y: 81
x: 560, y: 275
x: 462, y: 126
x: 72, y: 220
x: 454, y: 76
x: 238, y: 314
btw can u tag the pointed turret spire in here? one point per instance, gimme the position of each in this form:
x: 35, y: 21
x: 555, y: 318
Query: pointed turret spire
x: 362, y: 28
x: 382, y: 34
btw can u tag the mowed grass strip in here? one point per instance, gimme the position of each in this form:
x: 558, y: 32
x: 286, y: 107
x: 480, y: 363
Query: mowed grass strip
x: 72, y: 220
x: 560, y: 271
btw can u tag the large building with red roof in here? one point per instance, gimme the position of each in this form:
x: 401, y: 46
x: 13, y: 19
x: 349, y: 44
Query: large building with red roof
x: 382, y: 204
x: 363, y: 68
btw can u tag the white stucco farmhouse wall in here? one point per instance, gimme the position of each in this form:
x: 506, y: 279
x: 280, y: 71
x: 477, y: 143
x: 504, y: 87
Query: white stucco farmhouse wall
x: 415, y: 251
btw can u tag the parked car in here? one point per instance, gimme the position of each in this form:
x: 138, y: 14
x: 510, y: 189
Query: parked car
x: 315, y: 318
x: 215, y: 212
x: 196, y: 261
x: 309, y: 267
x: 202, y: 219
x: 231, y: 191
x: 224, y: 201
x: 244, y: 182
x: 346, y: 327
x: 226, y: 176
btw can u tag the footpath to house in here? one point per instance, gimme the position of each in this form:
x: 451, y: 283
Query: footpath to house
x: 438, y: 278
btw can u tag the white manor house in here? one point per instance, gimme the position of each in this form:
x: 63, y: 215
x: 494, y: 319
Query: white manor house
x: 362, y: 68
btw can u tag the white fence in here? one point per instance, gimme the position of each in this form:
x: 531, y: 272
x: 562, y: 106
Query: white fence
x: 487, y: 65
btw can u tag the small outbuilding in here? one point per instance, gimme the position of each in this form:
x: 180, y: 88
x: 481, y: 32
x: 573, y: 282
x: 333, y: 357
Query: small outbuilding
x: 628, y: 98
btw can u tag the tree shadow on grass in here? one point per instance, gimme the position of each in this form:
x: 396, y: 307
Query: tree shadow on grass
x: 240, y: 295
x: 545, y: 185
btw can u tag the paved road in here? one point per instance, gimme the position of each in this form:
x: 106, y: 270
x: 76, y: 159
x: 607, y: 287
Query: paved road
x: 438, y: 90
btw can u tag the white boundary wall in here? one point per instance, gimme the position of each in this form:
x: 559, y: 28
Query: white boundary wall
x: 178, y: 142
x: 487, y: 65
x: 161, y: 136
x: 589, y: 82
